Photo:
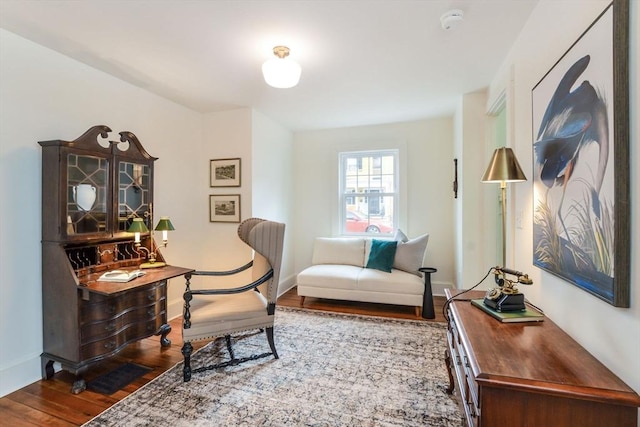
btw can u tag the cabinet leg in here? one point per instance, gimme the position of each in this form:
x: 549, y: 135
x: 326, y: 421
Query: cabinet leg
x: 163, y: 332
x: 447, y: 361
x: 79, y: 385
x: 47, y: 368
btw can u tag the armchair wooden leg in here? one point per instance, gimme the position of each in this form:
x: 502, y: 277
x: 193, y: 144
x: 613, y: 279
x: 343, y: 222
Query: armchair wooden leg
x: 301, y: 301
x: 187, y: 349
x: 227, y: 339
x: 272, y: 343
x: 418, y: 309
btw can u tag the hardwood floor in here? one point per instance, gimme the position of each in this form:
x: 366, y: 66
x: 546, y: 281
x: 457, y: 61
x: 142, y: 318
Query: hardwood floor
x: 50, y: 402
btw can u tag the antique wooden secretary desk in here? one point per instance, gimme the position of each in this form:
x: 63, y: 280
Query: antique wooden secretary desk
x: 92, y: 189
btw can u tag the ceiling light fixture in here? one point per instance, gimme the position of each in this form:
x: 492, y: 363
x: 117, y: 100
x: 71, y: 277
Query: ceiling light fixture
x: 281, y: 72
x: 451, y: 19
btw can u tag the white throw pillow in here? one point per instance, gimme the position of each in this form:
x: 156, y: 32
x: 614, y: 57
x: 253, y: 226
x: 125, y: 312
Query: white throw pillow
x: 339, y: 250
x: 410, y: 253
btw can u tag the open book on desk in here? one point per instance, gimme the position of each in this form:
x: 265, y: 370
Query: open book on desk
x: 120, y: 275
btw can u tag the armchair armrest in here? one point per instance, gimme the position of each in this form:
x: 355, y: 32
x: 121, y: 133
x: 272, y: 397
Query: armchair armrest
x: 220, y: 273
x: 188, y: 294
x: 225, y: 291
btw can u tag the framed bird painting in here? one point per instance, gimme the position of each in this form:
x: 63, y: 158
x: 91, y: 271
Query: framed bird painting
x: 580, y: 108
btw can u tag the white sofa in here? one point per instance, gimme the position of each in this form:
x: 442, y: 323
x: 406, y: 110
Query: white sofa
x: 342, y: 268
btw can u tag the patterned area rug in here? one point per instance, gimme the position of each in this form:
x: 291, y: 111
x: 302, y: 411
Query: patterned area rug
x: 334, y: 370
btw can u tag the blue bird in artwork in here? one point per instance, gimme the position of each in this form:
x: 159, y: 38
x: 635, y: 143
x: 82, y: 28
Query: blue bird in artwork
x: 572, y: 120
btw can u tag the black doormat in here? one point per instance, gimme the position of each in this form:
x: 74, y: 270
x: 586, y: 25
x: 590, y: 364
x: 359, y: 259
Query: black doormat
x: 118, y: 378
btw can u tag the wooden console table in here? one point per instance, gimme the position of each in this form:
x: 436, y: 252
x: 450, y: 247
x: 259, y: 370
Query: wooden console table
x: 529, y: 374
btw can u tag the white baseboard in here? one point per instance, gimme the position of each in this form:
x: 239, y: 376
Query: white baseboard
x: 20, y: 375
x: 286, y: 284
x: 437, y: 288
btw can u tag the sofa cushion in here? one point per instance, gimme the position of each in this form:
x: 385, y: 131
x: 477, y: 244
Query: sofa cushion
x: 339, y: 250
x: 330, y: 276
x: 410, y: 253
x: 397, y: 282
x: 382, y: 254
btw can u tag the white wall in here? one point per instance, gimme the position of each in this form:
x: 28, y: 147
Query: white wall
x: 43, y: 96
x: 227, y: 134
x: 611, y: 334
x: 426, y: 162
x: 474, y: 255
x: 272, y: 194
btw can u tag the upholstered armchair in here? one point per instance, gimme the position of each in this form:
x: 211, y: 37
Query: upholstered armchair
x: 214, y: 313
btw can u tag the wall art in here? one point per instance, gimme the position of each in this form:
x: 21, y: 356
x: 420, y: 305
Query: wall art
x: 224, y: 208
x: 224, y: 173
x: 581, y: 161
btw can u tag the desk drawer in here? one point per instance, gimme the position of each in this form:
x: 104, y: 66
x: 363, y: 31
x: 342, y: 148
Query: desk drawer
x: 130, y: 333
x: 104, y: 307
x: 105, y: 328
x: 467, y: 386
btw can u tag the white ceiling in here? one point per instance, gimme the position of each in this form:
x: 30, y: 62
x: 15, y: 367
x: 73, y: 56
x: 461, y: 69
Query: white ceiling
x: 363, y: 61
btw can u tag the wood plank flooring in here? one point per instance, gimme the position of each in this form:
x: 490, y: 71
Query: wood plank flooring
x: 50, y: 403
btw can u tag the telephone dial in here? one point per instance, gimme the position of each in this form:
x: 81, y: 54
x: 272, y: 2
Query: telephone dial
x: 506, y: 296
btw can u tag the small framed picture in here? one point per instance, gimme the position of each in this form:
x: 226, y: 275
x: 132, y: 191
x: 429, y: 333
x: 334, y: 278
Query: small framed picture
x: 224, y: 173
x: 224, y: 208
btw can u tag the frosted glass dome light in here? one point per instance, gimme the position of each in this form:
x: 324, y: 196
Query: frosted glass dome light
x: 281, y: 72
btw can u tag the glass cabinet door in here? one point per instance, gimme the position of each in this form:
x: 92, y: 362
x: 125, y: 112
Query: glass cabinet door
x: 134, y: 181
x: 87, y: 194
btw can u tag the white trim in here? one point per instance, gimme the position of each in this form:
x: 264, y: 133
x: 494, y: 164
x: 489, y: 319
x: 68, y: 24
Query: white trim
x: 20, y: 374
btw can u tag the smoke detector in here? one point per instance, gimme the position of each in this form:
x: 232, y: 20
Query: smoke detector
x: 451, y: 19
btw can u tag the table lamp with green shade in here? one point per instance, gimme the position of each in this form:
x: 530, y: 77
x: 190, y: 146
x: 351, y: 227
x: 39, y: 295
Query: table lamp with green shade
x: 138, y: 226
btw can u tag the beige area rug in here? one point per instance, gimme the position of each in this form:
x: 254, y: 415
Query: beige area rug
x: 334, y: 370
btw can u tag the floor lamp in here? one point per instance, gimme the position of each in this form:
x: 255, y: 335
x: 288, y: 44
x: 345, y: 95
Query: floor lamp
x: 504, y: 167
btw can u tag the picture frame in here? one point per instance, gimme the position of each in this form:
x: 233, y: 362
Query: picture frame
x: 224, y: 208
x: 225, y: 172
x: 581, y: 195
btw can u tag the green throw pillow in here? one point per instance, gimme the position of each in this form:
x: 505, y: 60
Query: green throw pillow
x: 382, y: 254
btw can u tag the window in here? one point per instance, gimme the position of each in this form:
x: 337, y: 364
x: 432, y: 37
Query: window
x: 368, y: 192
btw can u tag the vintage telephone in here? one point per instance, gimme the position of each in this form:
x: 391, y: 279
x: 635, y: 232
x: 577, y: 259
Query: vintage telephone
x: 506, y: 296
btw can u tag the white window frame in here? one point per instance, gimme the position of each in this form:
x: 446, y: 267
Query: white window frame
x: 344, y: 192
